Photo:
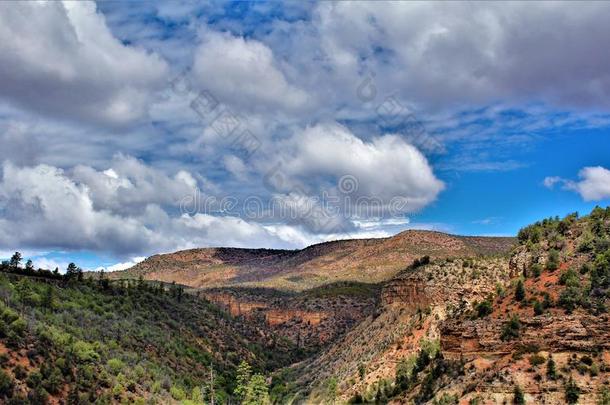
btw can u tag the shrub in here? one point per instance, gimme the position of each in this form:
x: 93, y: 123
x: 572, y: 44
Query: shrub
x: 569, y: 277
x: 586, y: 360
x: 570, y: 298
x: 20, y: 372
x: 572, y: 392
x: 552, y: 262
x: 84, y: 352
x: 520, y: 291
x: 538, y: 308
x: 536, y: 270
x: 6, y: 384
x: 18, y: 326
x: 551, y: 371
x: 518, y: 397
x: 511, y: 329
x: 115, y: 366
x: 177, y: 393
x: 484, y: 308
x: 536, y: 360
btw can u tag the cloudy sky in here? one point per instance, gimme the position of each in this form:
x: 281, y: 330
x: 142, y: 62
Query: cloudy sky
x: 128, y: 129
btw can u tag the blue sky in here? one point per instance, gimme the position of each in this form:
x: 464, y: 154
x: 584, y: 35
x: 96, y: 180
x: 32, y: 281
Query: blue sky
x: 129, y: 129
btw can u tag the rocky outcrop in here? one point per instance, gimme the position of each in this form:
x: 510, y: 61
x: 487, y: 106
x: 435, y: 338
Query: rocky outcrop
x: 554, y: 333
x: 276, y: 317
x: 452, y: 282
x: 235, y: 306
x: 405, y: 293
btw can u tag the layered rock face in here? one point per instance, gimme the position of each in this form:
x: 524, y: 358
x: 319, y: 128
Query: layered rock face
x: 234, y: 305
x: 412, y: 307
x: 276, y: 317
x: 551, y: 333
x: 452, y: 282
x: 405, y: 293
x: 306, y: 320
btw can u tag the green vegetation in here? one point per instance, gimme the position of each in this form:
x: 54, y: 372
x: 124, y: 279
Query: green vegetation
x: 518, y: 397
x: 536, y: 360
x: 484, y: 308
x: 551, y: 371
x: 103, y: 342
x: 552, y: 262
x: 572, y: 392
x: 520, y: 291
x: 511, y: 329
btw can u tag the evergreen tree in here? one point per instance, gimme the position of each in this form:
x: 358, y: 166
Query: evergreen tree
x: 48, y: 298
x: 551, y: 371
x: 518, y: 397
x: 15, y: 260
x: 520, y: 291
x: 29, y: 266
x: 572, y: 391
x: 71, y: 271
x: 257, y: 392
x: 244, y: 373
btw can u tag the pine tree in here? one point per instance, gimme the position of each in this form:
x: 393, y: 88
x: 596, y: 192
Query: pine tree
x: 71, y: 271
x: 29, y: 266
x: 244, y: 373
x: 257, y: 392
x: 15, y: 260
x: 518, y: 398
x: 520, y: 291
x: 572, y: 392
x: 48, y: 299
x: 551, y: 371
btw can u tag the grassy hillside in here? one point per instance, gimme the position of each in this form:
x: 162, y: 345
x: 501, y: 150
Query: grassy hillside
x: 128, y: 342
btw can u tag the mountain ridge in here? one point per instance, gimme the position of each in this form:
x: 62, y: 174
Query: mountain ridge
x: 359, y: 260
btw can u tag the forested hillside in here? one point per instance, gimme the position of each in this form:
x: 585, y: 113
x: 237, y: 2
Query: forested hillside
x: 68, y: 340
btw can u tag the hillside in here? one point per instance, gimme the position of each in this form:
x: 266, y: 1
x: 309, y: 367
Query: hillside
x: 98, y: 342
x: 362, y: 260
x: 532, y: 329
x: 468, y: 321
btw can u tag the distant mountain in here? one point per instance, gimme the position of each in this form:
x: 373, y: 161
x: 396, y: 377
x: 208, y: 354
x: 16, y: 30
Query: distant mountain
x: 358, y: 260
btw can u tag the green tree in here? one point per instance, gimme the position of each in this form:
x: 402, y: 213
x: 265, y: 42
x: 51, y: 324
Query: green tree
x: 511, y: 329
x: 15, y: 260
x: 257, y: 392
x: 518, y: 397
x: 71, y: 271
x: 244, y: 373
x: 538, y: 308
x: 552, y: 262
x: 551, y: 371
x: 484, y: 308
x: 6, y: 384
x: 197, y: 395
x: 29, y: 265
x: 520, y: 291
x: 48, y: 298
x: 572, y: 391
